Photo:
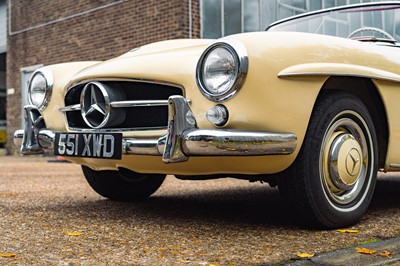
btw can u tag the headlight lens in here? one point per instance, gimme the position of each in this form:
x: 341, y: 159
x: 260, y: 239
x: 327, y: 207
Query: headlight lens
x: 221, y: 70
x: 40, y: 87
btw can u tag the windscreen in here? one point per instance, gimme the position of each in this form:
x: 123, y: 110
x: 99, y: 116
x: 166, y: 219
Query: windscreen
x: 381, y: 21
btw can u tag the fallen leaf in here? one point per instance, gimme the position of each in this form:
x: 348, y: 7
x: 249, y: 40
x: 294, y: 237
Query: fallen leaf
x: 368, y: 241
x: 7, y: 255
x: 75, y: 233
x: 365, y: 251
x: 385, y: 253
x: 349, y: 231
x: 305, y: 255
x: 147, y: 250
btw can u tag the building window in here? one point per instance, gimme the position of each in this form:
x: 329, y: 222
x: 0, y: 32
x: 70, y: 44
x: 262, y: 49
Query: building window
x: 224, y: 17
x: 3, y: 26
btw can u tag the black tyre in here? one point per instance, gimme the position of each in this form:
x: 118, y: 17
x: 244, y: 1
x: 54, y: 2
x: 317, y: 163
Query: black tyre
x: 123, y: 185
x: 333, y: 178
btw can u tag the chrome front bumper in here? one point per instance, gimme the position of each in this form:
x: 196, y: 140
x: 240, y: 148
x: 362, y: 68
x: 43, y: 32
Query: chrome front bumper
x: 183, y: 138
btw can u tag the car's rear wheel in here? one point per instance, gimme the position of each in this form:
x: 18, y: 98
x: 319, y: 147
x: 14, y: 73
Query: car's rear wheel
x: 123, y: 185
x: 333, y: 178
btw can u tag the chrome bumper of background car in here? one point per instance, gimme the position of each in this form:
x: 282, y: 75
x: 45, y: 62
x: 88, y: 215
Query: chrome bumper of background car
x: 183, y: 138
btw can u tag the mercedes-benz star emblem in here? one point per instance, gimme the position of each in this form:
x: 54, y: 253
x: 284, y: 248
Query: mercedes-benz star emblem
x: 353, y: 164
x: 95, y: 105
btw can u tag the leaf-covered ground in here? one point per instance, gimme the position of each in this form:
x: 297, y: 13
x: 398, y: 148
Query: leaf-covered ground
x: 50, y: 216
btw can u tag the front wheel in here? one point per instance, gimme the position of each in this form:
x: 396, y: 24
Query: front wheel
x: 123, y: 185
x: 333, y: 178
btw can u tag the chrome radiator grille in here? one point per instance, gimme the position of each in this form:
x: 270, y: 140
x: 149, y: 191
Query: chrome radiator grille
x: 118, y: 105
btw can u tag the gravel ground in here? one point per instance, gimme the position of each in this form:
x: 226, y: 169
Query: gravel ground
x: 50, y: 216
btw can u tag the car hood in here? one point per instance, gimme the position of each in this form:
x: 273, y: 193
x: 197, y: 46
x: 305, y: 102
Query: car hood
x: 148, y: 61
x: 167, y: 46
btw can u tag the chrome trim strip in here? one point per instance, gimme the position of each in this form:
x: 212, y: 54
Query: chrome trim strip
x: 122, y: 104
x: 337, y: 69
x: 116, y: 130
x: 303, y: 74
x: 129, y: 104
x: 75, y: 107
x: 395, y: 165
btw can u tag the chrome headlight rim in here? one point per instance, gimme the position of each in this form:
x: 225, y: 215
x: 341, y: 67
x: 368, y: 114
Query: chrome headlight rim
x: 47, y: 74
x: 239, y: 52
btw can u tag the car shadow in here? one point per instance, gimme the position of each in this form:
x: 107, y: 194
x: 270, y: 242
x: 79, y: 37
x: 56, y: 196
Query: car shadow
x: 260, y: 205
x: 237, y: 206
x: 387, y: 193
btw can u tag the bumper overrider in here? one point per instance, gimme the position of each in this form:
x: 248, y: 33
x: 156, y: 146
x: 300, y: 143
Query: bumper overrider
x: 183, y: 138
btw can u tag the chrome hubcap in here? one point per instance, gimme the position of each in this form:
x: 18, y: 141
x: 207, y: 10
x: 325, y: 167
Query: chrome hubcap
x: 344, y: 159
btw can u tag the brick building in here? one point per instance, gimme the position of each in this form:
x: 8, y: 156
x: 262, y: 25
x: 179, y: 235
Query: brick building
x: 42, y: 32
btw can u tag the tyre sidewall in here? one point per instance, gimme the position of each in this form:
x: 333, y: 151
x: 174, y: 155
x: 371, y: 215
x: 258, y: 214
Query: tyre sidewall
x: 329, y: 212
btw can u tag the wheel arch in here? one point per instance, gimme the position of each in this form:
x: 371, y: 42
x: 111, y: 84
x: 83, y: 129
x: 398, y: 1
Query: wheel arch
x: 367, y: 92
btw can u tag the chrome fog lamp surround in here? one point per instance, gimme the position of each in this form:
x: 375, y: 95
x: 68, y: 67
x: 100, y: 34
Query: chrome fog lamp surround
x: 222, y: 69
x: 40, y: 88
x: 218, y: 115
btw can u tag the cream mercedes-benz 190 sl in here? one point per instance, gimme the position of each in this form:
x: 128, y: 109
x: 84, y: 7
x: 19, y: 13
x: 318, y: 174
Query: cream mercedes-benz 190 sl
x: 310, y: 105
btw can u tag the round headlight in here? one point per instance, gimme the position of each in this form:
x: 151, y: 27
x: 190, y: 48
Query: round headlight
x: 40, y: 87
x: 221, y: 70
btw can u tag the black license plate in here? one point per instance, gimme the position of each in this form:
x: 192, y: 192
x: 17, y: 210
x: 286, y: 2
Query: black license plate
x: 89, y: 145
